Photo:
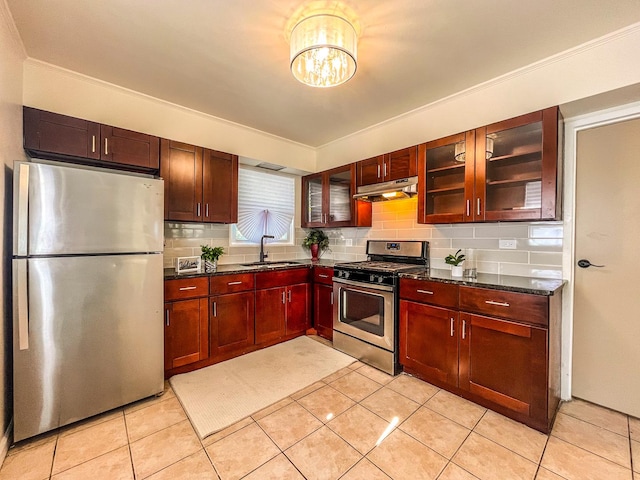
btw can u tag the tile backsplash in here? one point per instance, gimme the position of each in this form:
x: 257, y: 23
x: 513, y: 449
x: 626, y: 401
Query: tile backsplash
x: 538, y: 251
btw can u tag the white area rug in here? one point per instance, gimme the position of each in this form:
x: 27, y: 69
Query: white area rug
x: 220, y: 395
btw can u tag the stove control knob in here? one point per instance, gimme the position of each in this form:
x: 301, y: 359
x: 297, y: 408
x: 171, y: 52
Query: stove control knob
x: 380, y: 279
x: 346, y: 274
x: 372, y: 278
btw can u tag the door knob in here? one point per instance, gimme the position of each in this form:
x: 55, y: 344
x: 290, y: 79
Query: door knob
x: 584, y: 263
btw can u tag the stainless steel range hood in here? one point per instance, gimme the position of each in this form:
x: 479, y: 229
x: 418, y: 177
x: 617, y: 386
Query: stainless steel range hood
x: 402, y: 188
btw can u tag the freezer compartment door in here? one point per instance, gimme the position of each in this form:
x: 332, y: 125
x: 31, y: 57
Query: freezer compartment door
x: 94, y: 337
x: 60, y: 210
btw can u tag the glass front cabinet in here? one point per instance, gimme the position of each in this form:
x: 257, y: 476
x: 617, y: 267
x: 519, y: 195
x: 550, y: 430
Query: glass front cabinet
x: 327, y: 200
x: 509, y: 170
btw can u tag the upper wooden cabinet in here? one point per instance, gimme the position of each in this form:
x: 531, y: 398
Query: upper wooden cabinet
x: 200, y: 185
x: 505, y: 171
x: 327, y: 200
x: 60, y: 137
x: 390, y: 166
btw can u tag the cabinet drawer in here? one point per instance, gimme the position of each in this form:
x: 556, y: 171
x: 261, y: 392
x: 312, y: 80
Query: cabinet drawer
x: 424, y: 291
x: 282, y: 278
x: 514, y: 306
x: 221, y: 284
x: 323, y: 275
x: 186, y: 288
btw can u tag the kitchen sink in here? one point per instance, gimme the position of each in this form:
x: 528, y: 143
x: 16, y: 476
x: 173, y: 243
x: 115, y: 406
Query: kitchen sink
x: 283, y: 263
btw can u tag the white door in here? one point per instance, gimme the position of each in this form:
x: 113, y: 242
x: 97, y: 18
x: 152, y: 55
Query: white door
x: 606, y: 342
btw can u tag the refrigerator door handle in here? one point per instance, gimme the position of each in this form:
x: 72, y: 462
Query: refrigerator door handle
x: 22, y: 211
x: 21, y: 302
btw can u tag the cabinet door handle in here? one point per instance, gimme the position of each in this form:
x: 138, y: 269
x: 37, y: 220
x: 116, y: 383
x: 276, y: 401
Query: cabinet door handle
x: 452, y: 322
x: 283, y: 300
x: 215, y: 309
x: 166, y: 318
x: 499, y: 304
x: 464, y: 329
x: 322, y: 275
x: 332, y: 298
x: 478, y: 207
x: 289, y: 295
x: 234, y: 283
x: 428, y: 292
x: 93, y: 144
x: 468, y: 207
x: 206, y: 210
x: 106, y: 146
x: 182, y: 289
x: 385, y: 170
x: 378, y: 170
x: 197, y: 209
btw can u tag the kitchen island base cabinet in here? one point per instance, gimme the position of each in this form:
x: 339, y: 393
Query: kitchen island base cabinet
x: 186, y: 338
x: 231, y: 325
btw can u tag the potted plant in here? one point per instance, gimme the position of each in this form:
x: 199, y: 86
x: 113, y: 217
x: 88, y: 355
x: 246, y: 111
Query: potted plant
x: 317, y: 242
x: 210, y: 256
x: 455, y: 260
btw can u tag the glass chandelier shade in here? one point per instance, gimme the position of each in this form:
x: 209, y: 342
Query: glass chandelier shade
x: 323, y: 51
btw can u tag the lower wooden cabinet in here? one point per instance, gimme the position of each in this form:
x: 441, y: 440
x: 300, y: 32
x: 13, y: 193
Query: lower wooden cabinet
x: 231, y: 323
x: 323, y: 301
x: 186, y: 337
x: 505, y: 363
x: 429, y: 342
x: 283, y: 301
x: 509, y: 364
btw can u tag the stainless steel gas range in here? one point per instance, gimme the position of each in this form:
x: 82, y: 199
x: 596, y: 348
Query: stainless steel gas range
x: 366, y: 311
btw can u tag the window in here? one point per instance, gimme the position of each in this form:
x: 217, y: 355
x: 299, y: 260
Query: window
x: 266, y: 206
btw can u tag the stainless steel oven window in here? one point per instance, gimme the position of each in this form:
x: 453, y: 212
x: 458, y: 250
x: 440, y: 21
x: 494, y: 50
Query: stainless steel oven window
x: 363, y: 310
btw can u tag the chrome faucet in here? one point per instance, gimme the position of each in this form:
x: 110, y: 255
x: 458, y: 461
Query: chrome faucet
x: 262, y: 254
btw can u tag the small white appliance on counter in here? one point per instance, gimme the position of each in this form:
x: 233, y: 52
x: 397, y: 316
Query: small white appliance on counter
x: 87, y: 293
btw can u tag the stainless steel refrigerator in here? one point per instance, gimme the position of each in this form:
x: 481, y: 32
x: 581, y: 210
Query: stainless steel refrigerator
x: 87, y: 293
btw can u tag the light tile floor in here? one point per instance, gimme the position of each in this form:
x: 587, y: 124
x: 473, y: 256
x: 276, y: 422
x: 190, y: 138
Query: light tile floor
x: 356, y: 424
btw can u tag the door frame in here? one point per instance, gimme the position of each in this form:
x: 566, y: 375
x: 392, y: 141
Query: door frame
x: 573, y: 126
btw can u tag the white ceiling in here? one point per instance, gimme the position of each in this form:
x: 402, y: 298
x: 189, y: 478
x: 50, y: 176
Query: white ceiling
x: 230, y: 58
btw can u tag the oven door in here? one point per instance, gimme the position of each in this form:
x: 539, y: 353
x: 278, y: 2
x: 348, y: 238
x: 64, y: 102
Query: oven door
x: 365, y: 311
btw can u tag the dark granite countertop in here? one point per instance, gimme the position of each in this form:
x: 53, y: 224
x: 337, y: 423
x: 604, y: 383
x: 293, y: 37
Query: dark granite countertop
x: 170, y: 273
x: 509, y: 283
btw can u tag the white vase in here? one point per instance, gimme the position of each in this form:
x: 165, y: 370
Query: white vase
x: 456, y: 271
x: 210, y: 267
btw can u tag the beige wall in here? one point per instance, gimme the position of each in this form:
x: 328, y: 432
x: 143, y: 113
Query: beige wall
x: 601, y: 65
x: 11, y: 59
x: 52, y: 88
x: 538, y: 252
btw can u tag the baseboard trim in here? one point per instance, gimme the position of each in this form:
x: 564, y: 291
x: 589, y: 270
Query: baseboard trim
x: 5, y: 442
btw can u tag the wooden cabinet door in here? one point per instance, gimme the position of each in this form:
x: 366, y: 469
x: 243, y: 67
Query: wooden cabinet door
x: 506, y: 363
x: 313, y: 200
x: 181, y: 168
x: 517, y: 168
x: 429, y: 342
x: 232, y: 322
x: 186, y: 338
x: 270, y: 314
x: 370, y: 171
x: 323, y: 310
x: 129, y: 148
x: 220, y: 187
x: 298, y: 305
x: 400, y: 164
x: 446, y: 179
x: 60, y: 134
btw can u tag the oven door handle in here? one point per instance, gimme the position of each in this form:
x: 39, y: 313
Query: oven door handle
x: 364, y: 285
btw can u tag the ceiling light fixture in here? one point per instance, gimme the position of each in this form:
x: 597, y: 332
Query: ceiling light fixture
x: 323, y: 50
